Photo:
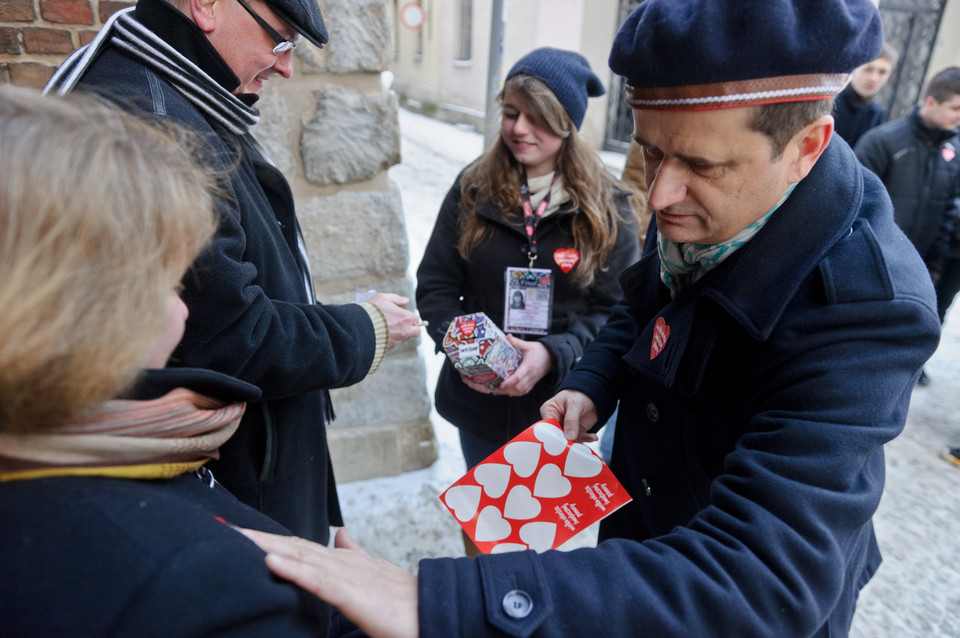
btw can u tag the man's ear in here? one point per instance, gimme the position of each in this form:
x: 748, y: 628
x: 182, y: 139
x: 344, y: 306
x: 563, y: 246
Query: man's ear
x: 204, y: 13
x: 808, y: 144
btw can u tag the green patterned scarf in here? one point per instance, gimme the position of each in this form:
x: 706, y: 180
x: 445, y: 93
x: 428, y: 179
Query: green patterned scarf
x: 682, y: 264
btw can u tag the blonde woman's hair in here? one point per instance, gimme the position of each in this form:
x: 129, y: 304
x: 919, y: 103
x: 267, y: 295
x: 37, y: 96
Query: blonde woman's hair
x: 496, y: 177
x: 101, y: 214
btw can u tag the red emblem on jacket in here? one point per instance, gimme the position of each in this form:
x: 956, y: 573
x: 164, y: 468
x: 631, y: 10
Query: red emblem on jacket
x: 661, y: 332
x: 948, y: 153
x: 566, y: 258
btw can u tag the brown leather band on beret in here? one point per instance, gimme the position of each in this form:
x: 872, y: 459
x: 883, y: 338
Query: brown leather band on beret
x: 786, y: 88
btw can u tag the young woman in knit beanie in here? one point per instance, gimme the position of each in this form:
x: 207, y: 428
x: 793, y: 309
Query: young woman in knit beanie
x: 537, y: 214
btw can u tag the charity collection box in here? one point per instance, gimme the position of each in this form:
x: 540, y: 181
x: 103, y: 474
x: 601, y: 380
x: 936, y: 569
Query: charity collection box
x: 478, y: 349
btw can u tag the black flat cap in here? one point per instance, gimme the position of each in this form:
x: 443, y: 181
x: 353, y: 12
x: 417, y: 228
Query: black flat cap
x: 302, y: 15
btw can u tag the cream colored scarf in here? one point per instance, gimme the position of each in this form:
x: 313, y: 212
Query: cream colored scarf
x: 540, y: 186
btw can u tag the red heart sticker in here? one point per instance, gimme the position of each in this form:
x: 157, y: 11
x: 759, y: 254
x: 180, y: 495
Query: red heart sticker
x: 536, y: 492
x: 661, y: 332
x: 948, y: 153
x: 566, y: 258
x: 467, y: 328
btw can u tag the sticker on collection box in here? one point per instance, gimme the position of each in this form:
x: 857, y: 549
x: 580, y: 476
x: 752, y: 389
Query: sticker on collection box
x: 536, y: 492
x: 479, y: 349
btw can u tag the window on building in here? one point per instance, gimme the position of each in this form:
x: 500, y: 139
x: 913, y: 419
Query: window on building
x: 466, y: 29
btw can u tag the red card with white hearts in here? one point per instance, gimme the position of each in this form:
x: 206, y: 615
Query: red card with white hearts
x: 536, y: 492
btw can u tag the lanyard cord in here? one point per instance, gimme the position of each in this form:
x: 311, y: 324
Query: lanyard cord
x: 531, y: 218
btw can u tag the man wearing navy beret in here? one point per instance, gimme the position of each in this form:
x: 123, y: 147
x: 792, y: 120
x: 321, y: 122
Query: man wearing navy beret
x: 763, y: 354
x: 253, y: 313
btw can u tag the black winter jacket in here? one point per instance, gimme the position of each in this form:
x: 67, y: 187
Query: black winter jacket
x: 447, y: 286
x: 854, y: 116
x: 921, y: 171
x: 251, y: 314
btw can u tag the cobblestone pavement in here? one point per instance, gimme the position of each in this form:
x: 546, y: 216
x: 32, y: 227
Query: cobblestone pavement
x: 915, y: 594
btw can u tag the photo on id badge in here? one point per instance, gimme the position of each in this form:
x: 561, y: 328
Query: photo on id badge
x: 528, y: 296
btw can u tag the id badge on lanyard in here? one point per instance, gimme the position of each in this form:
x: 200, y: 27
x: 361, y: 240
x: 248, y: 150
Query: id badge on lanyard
x: 528, y: 301
x: 528, y: 292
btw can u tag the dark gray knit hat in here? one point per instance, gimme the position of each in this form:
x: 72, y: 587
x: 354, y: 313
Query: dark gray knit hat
x: 567, y: 74
x: 302, y: 15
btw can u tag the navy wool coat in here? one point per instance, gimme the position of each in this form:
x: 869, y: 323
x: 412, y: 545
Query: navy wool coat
x: 752, y: 442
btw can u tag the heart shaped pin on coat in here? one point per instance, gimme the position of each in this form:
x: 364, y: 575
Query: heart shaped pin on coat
x: 661, y: 332
x: 566, y: 258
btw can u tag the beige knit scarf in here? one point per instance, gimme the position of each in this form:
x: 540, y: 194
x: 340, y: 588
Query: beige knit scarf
x: 154, y: 439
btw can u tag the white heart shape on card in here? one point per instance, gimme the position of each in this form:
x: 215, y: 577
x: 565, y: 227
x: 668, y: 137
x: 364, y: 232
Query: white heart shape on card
x: 523, y: 456
x: 503, y: 548
x: 539, y: 535
x: 491, y: 526
x: 581, y: 462
x: 520, y: 504
x: 551, y: 483
x: 551, y: 436
x: 493, y: 477
x: 463, y: 500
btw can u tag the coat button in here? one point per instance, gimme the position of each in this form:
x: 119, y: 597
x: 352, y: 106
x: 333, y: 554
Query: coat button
x: 646, y: 487
x: 653, y: 412
x: 517, y: 604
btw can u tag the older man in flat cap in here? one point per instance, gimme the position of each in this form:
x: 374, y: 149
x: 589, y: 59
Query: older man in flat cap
x: 253, y: 312
x: 764, y: 352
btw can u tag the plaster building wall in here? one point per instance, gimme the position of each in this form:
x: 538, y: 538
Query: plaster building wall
x: 333, y: 131
x: 439, y: 83
x: 946, y: 48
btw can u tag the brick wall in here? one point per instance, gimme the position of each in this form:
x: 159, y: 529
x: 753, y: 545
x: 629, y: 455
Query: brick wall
x: 36, y: 35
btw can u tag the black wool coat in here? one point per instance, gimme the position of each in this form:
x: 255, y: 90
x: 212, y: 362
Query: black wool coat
x: 448, y: 286
x: 251, y: 313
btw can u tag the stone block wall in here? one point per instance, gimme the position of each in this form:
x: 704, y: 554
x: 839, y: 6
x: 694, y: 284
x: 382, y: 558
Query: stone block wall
x: 333, y: 130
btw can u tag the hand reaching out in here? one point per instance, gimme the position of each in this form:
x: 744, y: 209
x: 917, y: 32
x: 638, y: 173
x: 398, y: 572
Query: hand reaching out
x: 378, y: 596
x: 575, y: 412
x: 402, y: 324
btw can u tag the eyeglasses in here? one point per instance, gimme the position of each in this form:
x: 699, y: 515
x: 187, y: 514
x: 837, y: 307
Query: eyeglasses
x: 283, y: 45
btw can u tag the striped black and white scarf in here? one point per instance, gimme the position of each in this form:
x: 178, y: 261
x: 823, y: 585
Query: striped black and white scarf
x: 123, y: 31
